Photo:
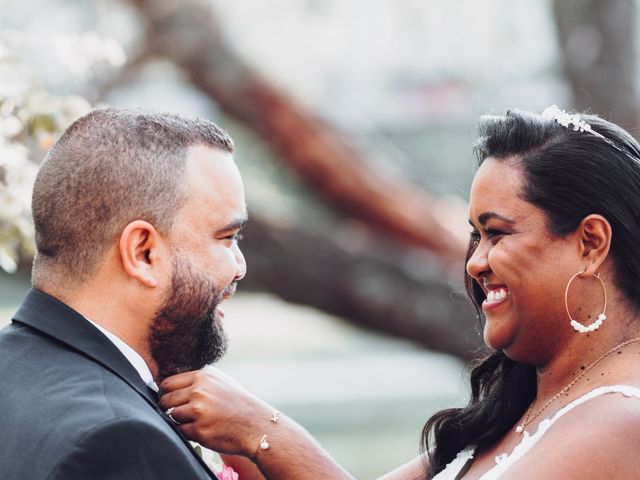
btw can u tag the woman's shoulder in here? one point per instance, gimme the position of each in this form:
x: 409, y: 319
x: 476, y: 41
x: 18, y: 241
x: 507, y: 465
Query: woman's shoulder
x: 609, y: 407
x: 595, y: 436
x: 599, y: 418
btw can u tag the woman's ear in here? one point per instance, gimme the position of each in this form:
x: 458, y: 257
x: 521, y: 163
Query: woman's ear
x: 138, y: 248
x: 595, y: 242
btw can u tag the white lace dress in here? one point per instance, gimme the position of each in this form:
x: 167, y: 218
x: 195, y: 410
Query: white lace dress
x: 504, y: 461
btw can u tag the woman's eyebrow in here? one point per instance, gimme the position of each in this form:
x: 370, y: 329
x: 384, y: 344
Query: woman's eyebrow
x: 486, y: 216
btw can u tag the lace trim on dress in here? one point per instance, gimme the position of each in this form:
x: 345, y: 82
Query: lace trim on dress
x: 505, y: 460
x: 453, y: 468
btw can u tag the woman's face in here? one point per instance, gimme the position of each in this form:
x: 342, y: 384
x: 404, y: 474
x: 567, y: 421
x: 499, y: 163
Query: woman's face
x: 522, y: 268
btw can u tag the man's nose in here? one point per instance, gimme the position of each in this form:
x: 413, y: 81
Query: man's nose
x: 241, y: 265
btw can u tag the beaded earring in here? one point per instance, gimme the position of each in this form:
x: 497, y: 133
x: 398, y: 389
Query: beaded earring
x: 577, y: 326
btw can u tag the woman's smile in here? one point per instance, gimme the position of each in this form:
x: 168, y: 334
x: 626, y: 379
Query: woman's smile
x: 496, y: 295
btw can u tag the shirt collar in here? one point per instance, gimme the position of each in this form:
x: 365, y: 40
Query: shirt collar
x: 131, y: 355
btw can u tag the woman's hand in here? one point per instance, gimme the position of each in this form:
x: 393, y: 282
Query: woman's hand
x: 216, y: 411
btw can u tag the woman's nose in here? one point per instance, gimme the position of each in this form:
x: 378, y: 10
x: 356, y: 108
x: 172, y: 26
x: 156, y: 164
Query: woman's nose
x: 477, y: 265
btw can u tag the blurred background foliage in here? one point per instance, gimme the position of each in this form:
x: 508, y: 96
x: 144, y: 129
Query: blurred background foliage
x: 354, y: 122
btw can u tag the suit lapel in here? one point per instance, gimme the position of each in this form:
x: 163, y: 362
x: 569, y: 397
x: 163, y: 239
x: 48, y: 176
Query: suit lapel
x: 50, y: 316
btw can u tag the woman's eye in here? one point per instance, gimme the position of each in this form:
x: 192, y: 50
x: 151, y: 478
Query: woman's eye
x: 491, y: 234
x: 495, y: 235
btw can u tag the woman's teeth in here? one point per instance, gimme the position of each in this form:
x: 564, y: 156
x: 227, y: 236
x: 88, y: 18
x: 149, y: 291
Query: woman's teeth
x: 496, y: 295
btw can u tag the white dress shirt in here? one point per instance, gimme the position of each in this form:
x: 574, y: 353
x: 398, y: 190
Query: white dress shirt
x: 130, y: 354
x: 210, y: 458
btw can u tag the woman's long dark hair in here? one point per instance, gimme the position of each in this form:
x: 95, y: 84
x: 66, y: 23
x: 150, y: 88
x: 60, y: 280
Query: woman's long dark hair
x: 568, y: 174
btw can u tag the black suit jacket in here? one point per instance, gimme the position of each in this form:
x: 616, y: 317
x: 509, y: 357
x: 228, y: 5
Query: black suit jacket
x: 73, y: 407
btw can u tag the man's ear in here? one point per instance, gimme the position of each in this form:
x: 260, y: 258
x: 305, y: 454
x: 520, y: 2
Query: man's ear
x: 595, y: 242
x: 138, y: 248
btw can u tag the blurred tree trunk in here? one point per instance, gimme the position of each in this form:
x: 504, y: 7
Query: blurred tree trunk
x: 187, y: 33
x: 597, y: 40
x: 400, y: 290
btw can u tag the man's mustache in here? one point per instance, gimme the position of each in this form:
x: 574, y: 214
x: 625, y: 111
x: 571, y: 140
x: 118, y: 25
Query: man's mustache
x: 229, y: 291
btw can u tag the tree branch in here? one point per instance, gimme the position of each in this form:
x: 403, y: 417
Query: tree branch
x: 187, y: 33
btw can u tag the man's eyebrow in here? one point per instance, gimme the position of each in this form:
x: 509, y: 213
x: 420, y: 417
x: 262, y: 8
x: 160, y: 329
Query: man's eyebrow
x: 235, y: 224
x: 486, y: 216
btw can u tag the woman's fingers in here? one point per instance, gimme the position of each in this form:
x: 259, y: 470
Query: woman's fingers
x: 195, y: 434
x: 190, y: 423
x: 176, y: 382
x: 215, y: 410
x: 181, y: 415
x: 175, y: 399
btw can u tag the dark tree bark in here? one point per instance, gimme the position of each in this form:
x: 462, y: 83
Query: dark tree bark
x: 400, y: 292
x: 403, y: 289
x: 597, y: 41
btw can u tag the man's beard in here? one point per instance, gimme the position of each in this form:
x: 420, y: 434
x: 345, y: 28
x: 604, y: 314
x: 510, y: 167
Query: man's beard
x: 185, y: 334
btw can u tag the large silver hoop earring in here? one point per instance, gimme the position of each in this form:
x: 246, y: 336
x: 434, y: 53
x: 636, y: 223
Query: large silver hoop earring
x: 577, y: 326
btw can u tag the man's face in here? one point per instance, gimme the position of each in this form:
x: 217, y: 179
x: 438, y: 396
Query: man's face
x: 187, y: 332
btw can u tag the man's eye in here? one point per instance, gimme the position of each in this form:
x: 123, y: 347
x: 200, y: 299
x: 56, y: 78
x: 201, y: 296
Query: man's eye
x: 236, y: 237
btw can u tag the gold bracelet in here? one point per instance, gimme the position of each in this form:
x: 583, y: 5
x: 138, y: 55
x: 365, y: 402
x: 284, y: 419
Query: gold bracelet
x: 264, y: 444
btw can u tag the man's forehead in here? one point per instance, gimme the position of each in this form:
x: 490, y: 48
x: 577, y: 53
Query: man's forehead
x: 214, y: 190
x: 212, y: 171
x: 202, y: 158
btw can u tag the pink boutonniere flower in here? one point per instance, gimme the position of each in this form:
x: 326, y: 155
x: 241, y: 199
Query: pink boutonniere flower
x: 228, y: 473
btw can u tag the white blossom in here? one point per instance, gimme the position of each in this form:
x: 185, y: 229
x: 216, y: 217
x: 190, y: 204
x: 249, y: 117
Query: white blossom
x: 81, y: 53
x: 10, y: 126
x: 31, y: 119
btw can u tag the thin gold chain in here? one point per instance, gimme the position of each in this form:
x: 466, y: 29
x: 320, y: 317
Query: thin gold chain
x: 528, y: 418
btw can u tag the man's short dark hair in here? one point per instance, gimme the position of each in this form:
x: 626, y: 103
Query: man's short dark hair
x: 110, y: 167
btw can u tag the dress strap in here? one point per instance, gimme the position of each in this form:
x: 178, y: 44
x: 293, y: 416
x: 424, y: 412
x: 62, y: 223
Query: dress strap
x: 455, y: 466
x: 504, y: 461
x: 626, y: 390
